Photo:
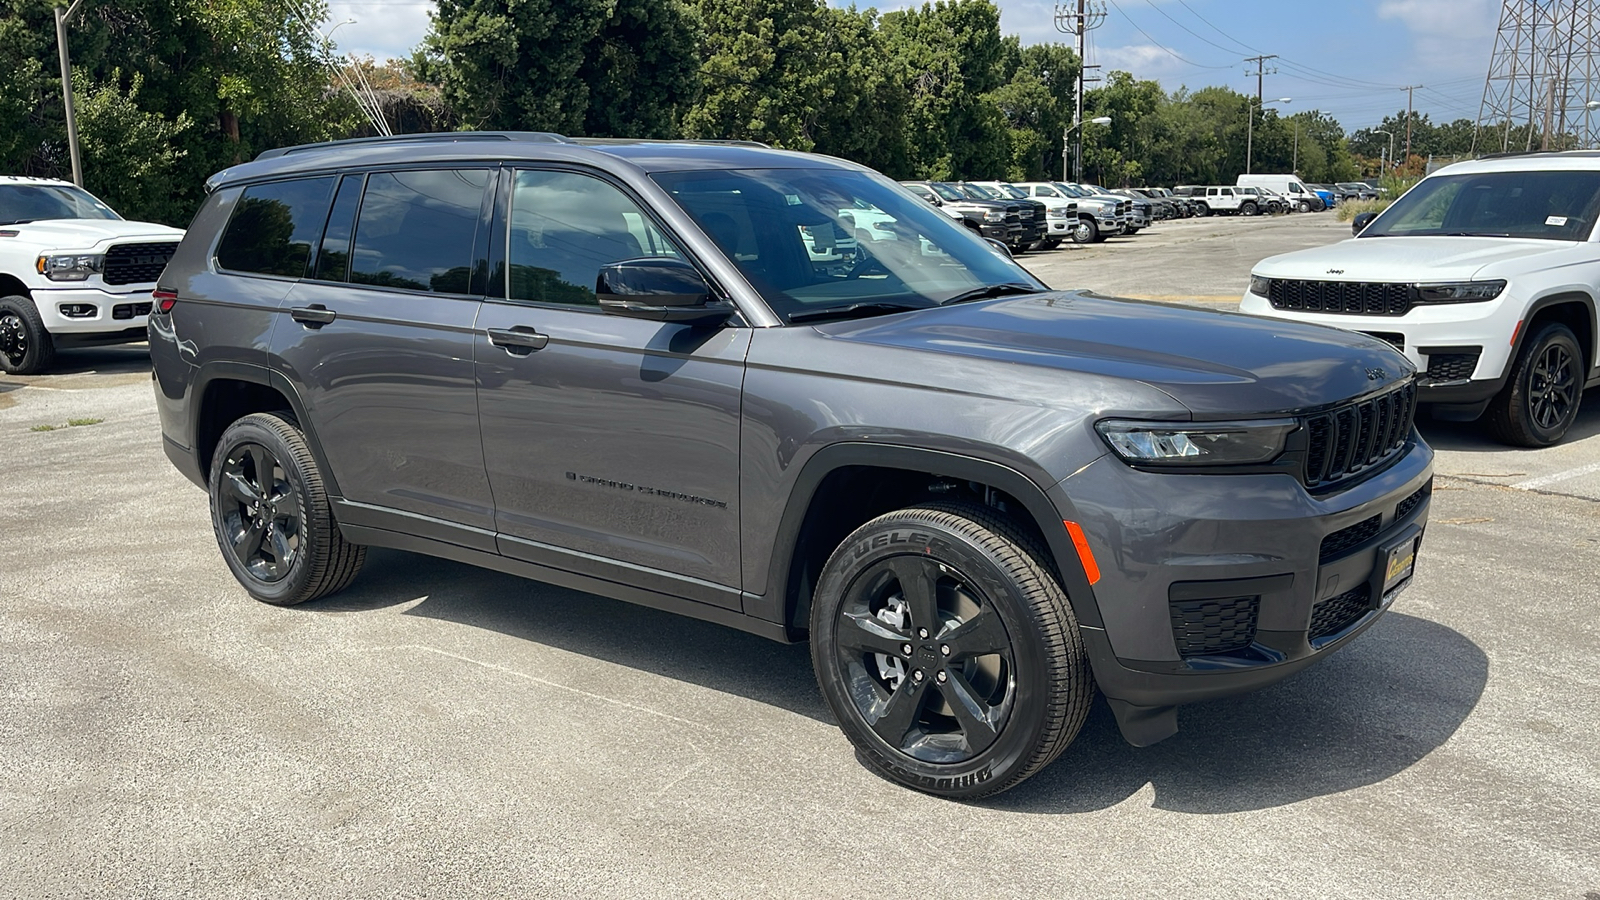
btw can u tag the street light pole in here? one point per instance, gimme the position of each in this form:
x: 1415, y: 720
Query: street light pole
x: 62, y: 18
x: 1250, y: 128
x: 1066, y: 144
x: 1391, y: 148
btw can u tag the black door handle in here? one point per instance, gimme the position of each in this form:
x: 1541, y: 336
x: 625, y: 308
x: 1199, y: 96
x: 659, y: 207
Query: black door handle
x: 518, y: 341
x: 316, y: 315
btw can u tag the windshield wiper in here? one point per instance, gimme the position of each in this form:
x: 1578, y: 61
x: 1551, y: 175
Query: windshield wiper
x: 991, y: 290
x: 851, y: 310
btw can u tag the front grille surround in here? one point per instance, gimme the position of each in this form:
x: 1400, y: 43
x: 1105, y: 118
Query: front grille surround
x: 1359, y: 437
x: 137, y: 263
x: 1355, y: 298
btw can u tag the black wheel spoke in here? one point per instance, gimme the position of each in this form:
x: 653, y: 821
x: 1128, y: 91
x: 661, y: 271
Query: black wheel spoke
x: 262, y: 462
x: 247, y: 542
x: 980, y: 635
x: 893, y: 718
x: 975, y: 717
x: 281, y: 551
x: 239, y: 488
x: 919, y: 585
x: 861, y: 634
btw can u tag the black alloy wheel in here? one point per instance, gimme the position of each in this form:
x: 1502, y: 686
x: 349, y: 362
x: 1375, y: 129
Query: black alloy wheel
x: 947, y: 651
x: 1542, y: 395
x: 271, y: 514
x: 1249, y: 209
x: 25, y: 346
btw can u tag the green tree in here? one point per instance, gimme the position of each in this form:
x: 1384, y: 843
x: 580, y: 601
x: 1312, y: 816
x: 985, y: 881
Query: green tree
x: 1037, y: 104
x: 954, y: 56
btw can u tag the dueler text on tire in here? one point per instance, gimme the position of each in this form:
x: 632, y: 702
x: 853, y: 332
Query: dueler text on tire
x: 271, y: 514
x: 1540, y: 399
x: 25, y: 347
x: 947, y: 650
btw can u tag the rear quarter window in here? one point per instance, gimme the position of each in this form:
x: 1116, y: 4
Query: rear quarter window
x: 274, y: 226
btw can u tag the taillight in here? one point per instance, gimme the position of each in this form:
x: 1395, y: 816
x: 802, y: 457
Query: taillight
x: 164, y: 299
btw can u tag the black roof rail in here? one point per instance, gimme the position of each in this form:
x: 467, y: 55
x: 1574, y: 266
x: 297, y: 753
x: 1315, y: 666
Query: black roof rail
x: 614, y: 140
x: 540, y: 137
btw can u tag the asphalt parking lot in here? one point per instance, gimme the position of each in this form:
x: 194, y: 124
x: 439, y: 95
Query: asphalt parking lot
x: 441, y: 731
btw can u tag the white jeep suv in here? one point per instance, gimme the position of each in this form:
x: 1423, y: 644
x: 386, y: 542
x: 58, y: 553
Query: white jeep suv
x: 1485, y: 275
x: 72, y: 272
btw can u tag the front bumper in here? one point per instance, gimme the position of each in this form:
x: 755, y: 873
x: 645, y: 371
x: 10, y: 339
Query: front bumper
x: 1436, y: 338
x: 1167, y: 544
x: 94, y: 312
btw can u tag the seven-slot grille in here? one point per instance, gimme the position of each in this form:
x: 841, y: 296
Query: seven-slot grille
x: 1346, y: 297
x: 137, y: 263
x: 1357, y: 437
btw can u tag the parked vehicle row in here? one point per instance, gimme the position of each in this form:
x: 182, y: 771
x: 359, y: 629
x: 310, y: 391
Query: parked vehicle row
x: 1083, y: 214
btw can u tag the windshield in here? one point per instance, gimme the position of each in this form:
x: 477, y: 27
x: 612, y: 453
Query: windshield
x: 33, y: 202
x: 1072, y: 190
x: 1556, y: 206
x: 946, y: 191
x: 887, y: 250
x: 979, y: 192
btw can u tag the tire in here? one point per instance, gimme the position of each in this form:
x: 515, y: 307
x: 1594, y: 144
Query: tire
x: 279, y: 539
x: 1541, y: 398
x: 1085, y: 232
x: 1249, y: 209
x: 1302, y: 206
x: 25, y: 347
x: 1004, y: 640
x: 1131, y: 231
x: 1202, y: 210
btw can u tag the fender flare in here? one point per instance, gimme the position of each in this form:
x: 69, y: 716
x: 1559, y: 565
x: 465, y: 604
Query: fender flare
x: 1559, y: 298
x: 228, y: 370
x: 781, y: 604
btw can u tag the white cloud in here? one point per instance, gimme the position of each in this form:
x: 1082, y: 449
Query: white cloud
x: 1452, y: 36
x: 382, y: 29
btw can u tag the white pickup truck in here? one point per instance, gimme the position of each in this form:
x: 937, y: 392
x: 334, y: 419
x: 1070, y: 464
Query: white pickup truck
x: 72, y: 272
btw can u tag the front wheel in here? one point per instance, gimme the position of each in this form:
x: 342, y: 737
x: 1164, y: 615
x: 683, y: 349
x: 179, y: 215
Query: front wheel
x: 1302, y: 206
x: 1130, y: 231
x: 1202, y: 210
x: 1085, y: 232
x: 25, y: 347
x: 1248, y: 209
x: 271, y: 514
x: 947, y: 651
x: 1540, y: 399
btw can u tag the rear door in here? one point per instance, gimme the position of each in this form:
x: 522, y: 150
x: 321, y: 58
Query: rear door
x: 611, y: 443
x: 379, y: 339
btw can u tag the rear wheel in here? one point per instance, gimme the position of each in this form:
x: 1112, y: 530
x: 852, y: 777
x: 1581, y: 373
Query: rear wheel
x: 948, y: 653
x: 1085, y: 232
x: 25, y: 347
x: 271, y: 514
x: 1540, y: 399
x: 1248, y: 209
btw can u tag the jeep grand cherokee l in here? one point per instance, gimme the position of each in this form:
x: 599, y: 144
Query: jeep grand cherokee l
x: 614, y: 366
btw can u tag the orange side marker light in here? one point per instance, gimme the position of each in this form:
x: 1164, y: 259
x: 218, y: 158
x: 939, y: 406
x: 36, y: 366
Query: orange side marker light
x: 1085, y: 555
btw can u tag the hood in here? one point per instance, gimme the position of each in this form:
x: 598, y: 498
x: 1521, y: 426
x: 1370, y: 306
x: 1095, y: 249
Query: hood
x: 1403, y: 259
x: 88, y: 234
x: 1217, y: 364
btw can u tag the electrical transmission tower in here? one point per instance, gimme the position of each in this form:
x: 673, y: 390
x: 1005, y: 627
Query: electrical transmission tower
x: 1544, y: 78
x: 1078, y: 19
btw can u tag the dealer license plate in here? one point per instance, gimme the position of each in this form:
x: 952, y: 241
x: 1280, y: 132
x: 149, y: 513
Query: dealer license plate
x: 1400, y: 561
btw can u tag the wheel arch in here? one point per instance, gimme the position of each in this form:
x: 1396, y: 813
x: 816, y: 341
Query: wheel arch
x: 845, y: 485
x: 228, y: 391
x: 1574, y: 309
x: 12, y: 286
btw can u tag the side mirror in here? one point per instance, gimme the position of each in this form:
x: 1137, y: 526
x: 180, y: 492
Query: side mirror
x: 1360, y: 223
x: 659, y: 289
x: 1000, y: 247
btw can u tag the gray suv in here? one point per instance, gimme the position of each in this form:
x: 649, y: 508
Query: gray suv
x: 619, y: 366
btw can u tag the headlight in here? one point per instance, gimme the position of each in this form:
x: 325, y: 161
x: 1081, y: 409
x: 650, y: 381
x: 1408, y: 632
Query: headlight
x: 1460, y: 292
x: 994, y: 215
x: 70, y: 268
x: 1197, y: 444
x: 1059, y: 212
x: 1261, y: 286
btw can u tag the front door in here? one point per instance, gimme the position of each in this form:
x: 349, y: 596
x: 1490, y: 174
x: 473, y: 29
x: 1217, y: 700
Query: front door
x: 610, y: 442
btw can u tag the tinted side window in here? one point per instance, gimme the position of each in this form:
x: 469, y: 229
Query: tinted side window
x: 416, y: 229
x: 564, y: 227
x: 333, y: 260
x: 274, y: 227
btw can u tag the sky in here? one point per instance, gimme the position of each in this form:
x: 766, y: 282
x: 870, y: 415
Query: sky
x: 1347, y: 58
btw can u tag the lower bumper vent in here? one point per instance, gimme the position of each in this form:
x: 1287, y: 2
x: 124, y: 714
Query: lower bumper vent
x: 1335, y: 614
x: 1210, y: 627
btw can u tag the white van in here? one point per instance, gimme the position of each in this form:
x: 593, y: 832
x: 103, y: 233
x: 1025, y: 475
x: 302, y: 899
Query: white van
x: 1303, y: 198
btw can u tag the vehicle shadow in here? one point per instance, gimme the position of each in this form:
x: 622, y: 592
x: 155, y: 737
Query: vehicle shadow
x: 1361, y: 716
x: 119, y: 359
x: 1443, y: 435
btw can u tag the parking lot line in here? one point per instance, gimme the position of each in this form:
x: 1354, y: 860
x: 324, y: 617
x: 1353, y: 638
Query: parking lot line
x: 1553, y: 477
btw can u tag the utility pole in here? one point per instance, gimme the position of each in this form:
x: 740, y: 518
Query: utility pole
x: 62, y: 18
x: 1250, y: 129
x: 1410, y: 89
x: 1078, y: 23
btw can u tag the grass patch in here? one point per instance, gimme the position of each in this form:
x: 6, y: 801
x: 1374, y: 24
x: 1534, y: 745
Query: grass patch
x: 76, y: 422
x: 1351, y: 208
x: 43, y: 428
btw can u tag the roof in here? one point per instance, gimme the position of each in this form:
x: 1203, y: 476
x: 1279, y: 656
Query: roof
x: 645, y: 154
x: 1535, y: 161
x: 26, y: 179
